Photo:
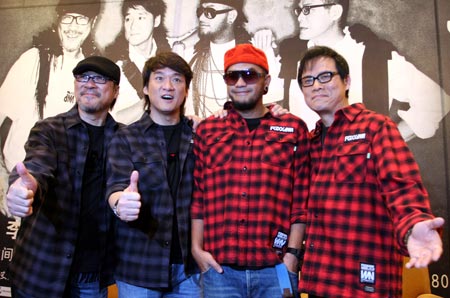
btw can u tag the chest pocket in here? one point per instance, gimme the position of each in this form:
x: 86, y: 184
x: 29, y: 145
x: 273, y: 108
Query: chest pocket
x: 279, y: 149
x: 351, y: 162
x: 220, y: 147
x: 150, y: 167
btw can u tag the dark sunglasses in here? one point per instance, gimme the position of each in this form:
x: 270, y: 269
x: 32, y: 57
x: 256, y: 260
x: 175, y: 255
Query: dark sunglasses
x: 249, y: 76
x: 210, y: 13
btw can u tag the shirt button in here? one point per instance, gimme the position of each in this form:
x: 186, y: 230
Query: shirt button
x: 166, y: 243
x: 68, y: 256
x: 242, y: 221
x: 244, y: 169
x: 248, y: 143
x: 244, y: 194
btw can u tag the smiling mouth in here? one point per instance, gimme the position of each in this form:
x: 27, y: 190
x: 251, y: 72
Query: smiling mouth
x: 72, y: 34
x: 167, y: 97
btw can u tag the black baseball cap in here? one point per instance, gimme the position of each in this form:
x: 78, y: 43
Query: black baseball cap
x: 100, y: 65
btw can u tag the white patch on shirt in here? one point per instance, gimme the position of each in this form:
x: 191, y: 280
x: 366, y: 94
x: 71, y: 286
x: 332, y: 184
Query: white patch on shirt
x: 351, y: 138
x: 367, y: 275
x: 282, y: 129
x: 280, y: 240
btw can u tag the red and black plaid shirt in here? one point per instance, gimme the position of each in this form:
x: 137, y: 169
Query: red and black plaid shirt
x: 249, y: 186
x: 366, y: 192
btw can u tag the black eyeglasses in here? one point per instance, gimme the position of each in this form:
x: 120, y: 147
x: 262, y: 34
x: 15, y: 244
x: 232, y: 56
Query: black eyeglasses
x: 249, y: 76
x: 84, y: 78
x: 323, y: 77
x: 68, y: 19
x: 307, y: 8
x: 210, y: 13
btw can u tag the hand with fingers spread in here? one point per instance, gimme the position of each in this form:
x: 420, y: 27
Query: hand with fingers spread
x: 424, y: 243
x: 20, y: 196
x: 127, y: 203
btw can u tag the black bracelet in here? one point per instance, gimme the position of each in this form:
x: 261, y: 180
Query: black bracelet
x: 294, y: 251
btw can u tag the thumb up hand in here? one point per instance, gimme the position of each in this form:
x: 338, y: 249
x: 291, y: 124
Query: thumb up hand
x: 129, y: 202
x: 20, y: 196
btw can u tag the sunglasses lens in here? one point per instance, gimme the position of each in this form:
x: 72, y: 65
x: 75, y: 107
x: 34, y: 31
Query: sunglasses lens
x: 210, y: 13
x: 231, y: 78
x: 249, y: 76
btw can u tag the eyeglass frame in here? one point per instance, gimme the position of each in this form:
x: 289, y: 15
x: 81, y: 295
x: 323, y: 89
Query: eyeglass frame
x: 306, y: 10
x: 314, y: 78
x: 252, y: 76
x: 84, y: 78
x: 72, y: 18
x: 213, y: 12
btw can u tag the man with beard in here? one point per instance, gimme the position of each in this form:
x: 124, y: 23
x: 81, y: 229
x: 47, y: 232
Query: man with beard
x: 40, y: 83
x: 221, y: 27
x: 63, y: 247
x: 251, y: 175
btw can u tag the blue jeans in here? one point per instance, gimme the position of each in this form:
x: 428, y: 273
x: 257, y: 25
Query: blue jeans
x: 182, y: 287
x: 236, y: 283
x: 79, y: 287
x: 86, y: 285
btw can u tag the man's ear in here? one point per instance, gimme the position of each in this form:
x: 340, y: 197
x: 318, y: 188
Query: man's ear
x: 336, y: 11
x: 232, y: 16
x: 157, y: 21
x: 347, y: 82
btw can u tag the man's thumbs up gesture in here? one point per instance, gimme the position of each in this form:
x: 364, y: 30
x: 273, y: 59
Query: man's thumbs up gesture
x: 127, y: 203
x: 20, y: 194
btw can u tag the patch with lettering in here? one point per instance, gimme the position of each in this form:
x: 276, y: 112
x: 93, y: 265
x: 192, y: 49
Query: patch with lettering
x: 282, y: 128
x: 367, y: 276
x: 280, y: 240
x: 356, y: 137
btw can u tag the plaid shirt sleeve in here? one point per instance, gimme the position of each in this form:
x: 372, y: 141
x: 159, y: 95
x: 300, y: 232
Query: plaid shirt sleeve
x: 400, y: 183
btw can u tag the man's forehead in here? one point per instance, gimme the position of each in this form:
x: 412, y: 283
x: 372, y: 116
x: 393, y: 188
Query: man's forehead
x: 216, y: 5
x: 75, y: 14
x: 91, y: 72
x: 167, y: 71
x: 138, y: 8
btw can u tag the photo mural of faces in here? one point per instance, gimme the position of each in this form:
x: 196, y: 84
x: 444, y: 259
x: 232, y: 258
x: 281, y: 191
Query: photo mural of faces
x: 393, y: 69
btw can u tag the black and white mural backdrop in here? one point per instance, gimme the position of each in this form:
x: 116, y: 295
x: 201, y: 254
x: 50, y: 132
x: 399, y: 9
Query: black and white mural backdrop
x: 398, y: 52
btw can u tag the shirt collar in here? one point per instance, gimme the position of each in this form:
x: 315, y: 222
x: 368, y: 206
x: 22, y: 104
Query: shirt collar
x: 350, y: 112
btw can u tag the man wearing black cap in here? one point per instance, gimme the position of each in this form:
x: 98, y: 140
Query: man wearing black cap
x: 39, y: 84
x: 63, y: 244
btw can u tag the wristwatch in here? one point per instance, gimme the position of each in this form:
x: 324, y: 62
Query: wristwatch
x: 294, y: 251
x: 114, y: 209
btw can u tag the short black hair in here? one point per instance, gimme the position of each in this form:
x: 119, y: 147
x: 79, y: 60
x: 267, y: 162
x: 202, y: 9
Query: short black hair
x: 322, y: 51
x: 162, y: 60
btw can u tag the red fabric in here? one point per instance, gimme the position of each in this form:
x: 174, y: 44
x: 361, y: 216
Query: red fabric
x: 366, y: 192
x: 245, y: 53
x: 249, y: 185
